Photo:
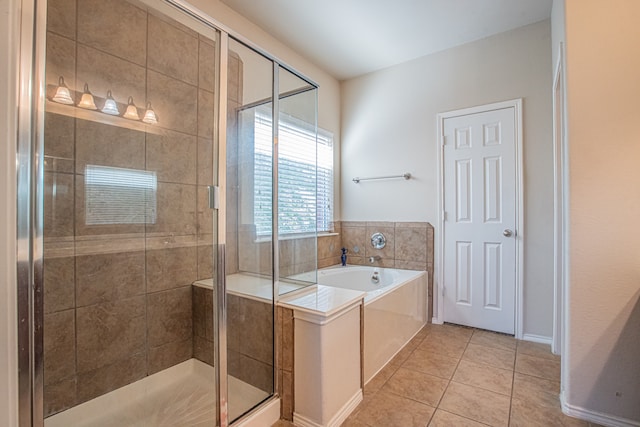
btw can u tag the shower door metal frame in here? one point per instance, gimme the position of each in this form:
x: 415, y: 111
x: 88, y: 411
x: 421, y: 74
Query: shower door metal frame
x: 30, y: 213
x: 30, y: 207
x: 220, y: 291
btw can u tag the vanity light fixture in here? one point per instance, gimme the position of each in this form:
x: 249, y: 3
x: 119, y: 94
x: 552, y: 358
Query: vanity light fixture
x: 110, y: 106
x: 150, y: 115
x: 132, y: 111
x: 87, y: 101
x: 63, y: 95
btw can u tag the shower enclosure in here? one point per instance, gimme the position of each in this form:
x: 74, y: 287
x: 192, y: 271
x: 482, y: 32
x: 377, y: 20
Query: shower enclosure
x: 159, y: 151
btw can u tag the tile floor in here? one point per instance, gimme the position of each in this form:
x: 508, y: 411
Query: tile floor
x: 456, y: 376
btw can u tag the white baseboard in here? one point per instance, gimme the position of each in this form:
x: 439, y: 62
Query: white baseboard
x: 596, y: 417
x: 346, y: 410
x: 537, y: 338
x: 436, y: 320
x: 337, y: 419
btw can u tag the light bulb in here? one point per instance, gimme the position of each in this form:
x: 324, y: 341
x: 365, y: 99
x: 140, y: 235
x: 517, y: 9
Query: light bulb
x: 63, y: 95
x: 150, y: 115
x: 87, y: 100
x: 110, y: 106
x: 132, y: 111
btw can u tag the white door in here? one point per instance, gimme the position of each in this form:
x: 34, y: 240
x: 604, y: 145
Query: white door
x: 480, y: 218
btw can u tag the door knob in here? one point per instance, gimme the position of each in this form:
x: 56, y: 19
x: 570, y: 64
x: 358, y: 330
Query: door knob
x: 507, y: 233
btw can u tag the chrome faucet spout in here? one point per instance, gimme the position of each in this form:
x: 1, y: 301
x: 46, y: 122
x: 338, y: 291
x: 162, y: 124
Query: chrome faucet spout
x: 374, y: 259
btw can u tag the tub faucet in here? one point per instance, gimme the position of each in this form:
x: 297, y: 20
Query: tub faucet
x: 375, y: 279
x: 373, y: 259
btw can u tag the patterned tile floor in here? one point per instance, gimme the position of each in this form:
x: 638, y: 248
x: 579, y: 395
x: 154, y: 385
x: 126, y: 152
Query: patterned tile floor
x: 456, y: 376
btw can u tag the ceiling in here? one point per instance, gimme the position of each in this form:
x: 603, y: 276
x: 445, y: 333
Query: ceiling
x: 349, y: 38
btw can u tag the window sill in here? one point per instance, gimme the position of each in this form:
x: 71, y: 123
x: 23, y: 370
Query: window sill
x: 298, y: 236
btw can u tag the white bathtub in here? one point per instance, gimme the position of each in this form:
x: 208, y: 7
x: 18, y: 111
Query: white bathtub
x: 395, y: 308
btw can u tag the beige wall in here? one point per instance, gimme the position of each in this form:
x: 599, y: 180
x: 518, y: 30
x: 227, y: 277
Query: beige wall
x: 389, y: 127
x: 8, y: 117
x: 603, y: 87
x: 557, y: 30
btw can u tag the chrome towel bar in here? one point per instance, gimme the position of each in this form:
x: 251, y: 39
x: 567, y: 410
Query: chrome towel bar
x: 406, y: 175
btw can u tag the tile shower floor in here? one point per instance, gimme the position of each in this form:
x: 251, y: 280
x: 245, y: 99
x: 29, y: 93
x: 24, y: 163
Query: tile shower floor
x: 182, y: 395
x: 457, y: 376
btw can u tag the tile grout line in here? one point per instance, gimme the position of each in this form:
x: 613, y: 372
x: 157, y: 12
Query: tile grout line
x: 513, y: 380
x: 459, y: 359
x: 452, y: 375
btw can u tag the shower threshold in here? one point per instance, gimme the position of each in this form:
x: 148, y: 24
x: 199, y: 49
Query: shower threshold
x: 182, y: 395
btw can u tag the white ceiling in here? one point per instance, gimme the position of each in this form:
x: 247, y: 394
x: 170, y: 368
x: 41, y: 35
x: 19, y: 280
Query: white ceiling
x: 352, y: 37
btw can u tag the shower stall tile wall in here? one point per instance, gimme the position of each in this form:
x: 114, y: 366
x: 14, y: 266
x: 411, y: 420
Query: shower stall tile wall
x: 250, y: 337
x: 118, y: 298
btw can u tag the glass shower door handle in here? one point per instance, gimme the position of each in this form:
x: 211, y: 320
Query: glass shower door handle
x: 214, y: 197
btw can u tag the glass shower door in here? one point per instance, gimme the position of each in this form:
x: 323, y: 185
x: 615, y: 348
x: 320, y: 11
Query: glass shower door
x: 297, y: 179
x: 132, y: 247
x: 249, y: 219
x: 129, y: 155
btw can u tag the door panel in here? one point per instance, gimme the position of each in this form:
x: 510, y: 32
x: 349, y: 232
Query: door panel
x: 463, y: 270
x: 480, y: 205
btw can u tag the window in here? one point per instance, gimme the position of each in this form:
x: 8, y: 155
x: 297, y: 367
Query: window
x: 119, y: 196
x: 305, y: 189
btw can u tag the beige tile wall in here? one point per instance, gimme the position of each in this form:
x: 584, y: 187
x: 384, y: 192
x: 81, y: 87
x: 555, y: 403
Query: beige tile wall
x: 284, y: 323
x: 118, y: 298
x: 329, y: 246
x: 249, y: 337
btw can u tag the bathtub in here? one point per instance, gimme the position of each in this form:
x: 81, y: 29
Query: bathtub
x: 395, y: 308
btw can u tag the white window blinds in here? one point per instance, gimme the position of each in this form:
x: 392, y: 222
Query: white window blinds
x: 305, y: 190
x: 119, y: 196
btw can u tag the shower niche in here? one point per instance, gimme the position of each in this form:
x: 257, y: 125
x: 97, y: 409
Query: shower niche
x: 158, y: 309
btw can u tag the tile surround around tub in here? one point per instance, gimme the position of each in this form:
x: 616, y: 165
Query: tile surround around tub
x: 284, y: 323
x: 409, y: 246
